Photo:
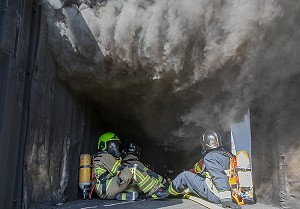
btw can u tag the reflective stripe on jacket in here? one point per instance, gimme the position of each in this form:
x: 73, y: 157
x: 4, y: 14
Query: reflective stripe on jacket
x: 105, y: 167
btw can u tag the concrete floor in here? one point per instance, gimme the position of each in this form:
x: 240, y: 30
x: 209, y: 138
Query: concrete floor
x: 140, y: 203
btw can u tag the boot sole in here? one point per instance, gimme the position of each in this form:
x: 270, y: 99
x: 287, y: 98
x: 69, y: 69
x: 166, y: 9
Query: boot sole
x: 127, y: 196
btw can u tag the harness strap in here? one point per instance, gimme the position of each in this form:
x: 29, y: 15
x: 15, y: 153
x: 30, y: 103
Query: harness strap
x: 234, y: 181
x: 101, y: 179
x: 93, y: 181
x: 103, y: 188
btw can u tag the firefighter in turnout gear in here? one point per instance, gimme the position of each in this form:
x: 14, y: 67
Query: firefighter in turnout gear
x: 208, y: 178
x: 131, y: 155
x: 111, y: 178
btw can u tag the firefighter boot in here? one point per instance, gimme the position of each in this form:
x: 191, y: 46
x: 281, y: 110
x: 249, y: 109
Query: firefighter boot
x: 127, y: 196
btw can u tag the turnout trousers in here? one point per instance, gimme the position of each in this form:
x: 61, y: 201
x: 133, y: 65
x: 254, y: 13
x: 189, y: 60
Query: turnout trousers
x: 195, y: 183
x: 130, y: 176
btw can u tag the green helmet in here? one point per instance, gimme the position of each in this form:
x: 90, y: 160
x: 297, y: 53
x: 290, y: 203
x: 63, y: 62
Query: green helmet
x: 104, y: 138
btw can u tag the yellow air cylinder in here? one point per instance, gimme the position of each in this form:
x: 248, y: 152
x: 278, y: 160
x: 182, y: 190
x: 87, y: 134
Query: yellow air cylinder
x: 84, y: 171
x: 244, y: 169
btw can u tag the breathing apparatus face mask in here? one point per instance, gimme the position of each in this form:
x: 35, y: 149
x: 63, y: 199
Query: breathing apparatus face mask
x: 113, y: 148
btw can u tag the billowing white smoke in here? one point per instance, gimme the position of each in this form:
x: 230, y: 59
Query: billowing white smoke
x: 161, y: 35
x: 111, y: 45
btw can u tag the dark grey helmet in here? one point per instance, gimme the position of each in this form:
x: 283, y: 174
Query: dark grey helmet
x: 134, y: 149
x: 210, y: 140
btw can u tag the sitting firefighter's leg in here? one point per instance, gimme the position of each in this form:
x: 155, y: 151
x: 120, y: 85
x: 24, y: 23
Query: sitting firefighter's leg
x: 157, y: 177
x: 148, y: 185
x: 115, y: 186
x: 194, y: 183
x: 108, y: 188
x: 129, y: 194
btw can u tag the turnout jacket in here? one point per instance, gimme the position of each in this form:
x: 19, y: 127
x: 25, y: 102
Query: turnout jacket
x: 132, y: 159
x: 213, y: 167
x: 208, y: 178
x: 105, y: 168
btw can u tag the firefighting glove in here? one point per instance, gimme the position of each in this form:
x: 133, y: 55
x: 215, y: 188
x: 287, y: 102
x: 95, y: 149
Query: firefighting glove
x: 229, y: 204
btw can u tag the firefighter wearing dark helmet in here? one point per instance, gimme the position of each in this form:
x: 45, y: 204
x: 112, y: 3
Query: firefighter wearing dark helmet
x: 131, y: 155
x: 112, y: 179
x: 208, y: 178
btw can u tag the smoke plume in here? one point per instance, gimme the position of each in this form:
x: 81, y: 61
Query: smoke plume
x: 174, y: 66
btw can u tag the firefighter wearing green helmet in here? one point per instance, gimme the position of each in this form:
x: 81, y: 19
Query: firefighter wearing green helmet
x: 112, y: 179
